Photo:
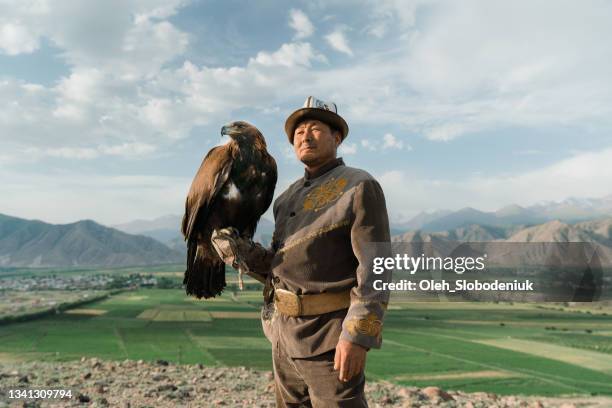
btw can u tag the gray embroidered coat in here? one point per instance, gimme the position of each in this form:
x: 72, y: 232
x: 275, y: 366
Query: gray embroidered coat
x: 325, y: 225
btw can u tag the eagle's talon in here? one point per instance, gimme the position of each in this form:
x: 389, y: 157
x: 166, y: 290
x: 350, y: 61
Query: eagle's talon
x: 240, y: 281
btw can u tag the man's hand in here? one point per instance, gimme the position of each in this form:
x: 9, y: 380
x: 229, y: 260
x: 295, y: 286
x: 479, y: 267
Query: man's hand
x: 349, y: 359
x: 234, y: 250
x: 225, y: 241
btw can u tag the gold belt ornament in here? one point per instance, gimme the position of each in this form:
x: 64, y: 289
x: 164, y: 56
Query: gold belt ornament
x: 290, y: 304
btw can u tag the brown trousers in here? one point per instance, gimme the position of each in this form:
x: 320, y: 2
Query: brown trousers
x: 312, y: 382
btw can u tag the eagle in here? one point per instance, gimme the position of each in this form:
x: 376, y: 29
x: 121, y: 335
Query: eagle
x: 233, y: 187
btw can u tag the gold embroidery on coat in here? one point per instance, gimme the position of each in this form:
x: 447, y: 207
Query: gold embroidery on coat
x: 370, y: 326
x: 314, y: 234
x: 324, y: 194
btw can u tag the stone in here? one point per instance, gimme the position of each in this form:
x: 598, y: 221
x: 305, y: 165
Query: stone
x: 166, y: 387
x: 84, y: 398
x: 405, y: 393
x: 435, y: 393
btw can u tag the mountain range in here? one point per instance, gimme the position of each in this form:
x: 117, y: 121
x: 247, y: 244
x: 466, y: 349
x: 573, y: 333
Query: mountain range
x: 166, y: 229
x: 599, y: 231
x: 32, y: 243
x: 571, y: 210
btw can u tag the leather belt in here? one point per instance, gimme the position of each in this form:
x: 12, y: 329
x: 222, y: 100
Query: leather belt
x: 290, y: 304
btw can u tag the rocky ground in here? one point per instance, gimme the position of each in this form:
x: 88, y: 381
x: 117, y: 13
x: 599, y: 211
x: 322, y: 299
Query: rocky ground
x: 132, y: 384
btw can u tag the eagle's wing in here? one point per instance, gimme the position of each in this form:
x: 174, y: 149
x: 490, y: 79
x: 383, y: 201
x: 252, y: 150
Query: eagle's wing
x: 271, y: 185
x: 207, y: 183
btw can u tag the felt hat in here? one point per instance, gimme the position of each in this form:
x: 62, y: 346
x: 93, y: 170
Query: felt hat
x: 326, y: 112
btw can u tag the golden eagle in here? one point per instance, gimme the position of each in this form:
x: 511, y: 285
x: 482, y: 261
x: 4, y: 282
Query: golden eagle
x: 233, y: 188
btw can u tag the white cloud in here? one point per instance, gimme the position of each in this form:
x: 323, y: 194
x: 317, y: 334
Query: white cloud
x: 473, y: 67
x: 391, y: 142
x: 368, y: 144
x: 64, y: 152
x: 392, y: 13
x: 348, y: 148
x: 288, y: 55
x: 162, y: 10
x: 467, y: 68
x: 407, y: 194
x: 388, y: 142
x: 110, y: 86
x: 338, y: 41
x: 147, y: 46
x: 136, y: 40
x: 119, y: 91
x: 288, y: 153
x: 16, y: 39
x: 300, y: 22
x: 130, y: 150
x: 70, y: 196
x: 378, y: 29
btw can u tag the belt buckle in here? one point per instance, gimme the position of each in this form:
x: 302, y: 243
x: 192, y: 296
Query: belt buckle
x: 288, y: 302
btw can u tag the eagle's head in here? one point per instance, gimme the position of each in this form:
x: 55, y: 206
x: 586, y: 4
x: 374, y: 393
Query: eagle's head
x: 242, y: 132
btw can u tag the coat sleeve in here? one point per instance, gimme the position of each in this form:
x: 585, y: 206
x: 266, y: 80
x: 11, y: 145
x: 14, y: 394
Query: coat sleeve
x: 363, y: 322
x: 258, y: 259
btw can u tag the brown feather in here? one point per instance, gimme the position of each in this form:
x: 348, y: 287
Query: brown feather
x: 233, y: 187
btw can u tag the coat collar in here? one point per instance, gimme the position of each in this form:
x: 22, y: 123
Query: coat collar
x: 329, y: 166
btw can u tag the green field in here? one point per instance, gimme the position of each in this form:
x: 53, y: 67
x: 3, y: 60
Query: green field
x: 538, y: 351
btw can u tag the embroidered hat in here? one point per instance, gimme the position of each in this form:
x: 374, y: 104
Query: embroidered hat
x: 314, y: 108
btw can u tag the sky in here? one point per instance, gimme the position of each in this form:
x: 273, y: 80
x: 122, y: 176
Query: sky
x: 108, y: 107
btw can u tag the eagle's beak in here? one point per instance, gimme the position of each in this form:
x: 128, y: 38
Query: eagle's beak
x: 229, y: 130
x: 224, y: 130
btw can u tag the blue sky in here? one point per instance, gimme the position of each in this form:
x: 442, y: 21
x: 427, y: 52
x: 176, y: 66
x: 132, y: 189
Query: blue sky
x: 108, y: 107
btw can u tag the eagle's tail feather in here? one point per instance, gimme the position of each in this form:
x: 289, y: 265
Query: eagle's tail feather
x: 203, y: 277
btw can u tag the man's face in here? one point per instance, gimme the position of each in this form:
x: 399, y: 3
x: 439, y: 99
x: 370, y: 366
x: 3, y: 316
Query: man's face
x: 314, y: 142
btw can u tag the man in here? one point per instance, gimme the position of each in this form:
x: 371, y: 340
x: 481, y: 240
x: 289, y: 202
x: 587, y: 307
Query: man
x: 322, y: 313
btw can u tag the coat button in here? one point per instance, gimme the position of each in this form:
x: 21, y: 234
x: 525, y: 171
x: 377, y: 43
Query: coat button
x: 292, y: 214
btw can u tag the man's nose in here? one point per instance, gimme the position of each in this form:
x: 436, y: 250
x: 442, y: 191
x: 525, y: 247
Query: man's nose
x: 308, y: 135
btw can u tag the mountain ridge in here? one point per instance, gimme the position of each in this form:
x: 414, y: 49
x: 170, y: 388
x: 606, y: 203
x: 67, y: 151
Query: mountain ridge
x: 571, y: 210
x: 34, y: 243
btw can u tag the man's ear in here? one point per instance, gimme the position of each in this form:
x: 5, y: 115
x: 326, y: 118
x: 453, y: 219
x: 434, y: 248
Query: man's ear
x: 338, y: 138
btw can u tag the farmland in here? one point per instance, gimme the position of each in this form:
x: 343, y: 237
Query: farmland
x: 501, y: 348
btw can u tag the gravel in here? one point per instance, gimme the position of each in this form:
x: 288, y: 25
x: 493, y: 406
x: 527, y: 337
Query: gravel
x: 139, y: 384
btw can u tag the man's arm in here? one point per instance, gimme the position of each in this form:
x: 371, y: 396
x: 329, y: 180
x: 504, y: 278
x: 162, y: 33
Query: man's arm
x: 361, y: 329
x: 240, y: 252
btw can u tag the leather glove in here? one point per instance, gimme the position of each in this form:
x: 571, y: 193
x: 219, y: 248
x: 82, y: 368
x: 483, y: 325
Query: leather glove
x: 225, y: 243
x: 234, y: 250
